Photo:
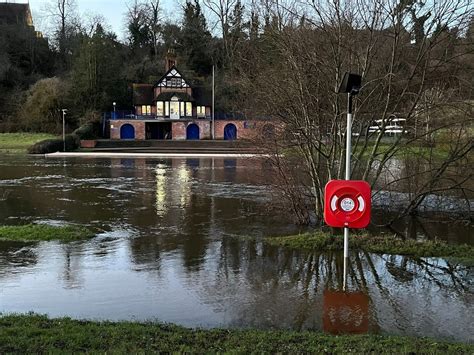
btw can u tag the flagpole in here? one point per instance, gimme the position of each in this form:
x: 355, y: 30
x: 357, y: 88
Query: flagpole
x: 213, y: 103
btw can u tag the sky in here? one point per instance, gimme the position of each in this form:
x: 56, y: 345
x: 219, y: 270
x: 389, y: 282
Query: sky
x: 112, y: 10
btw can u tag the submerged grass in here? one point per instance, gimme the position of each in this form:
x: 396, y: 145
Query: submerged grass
x: 42, y: 232
x: 39, y: 334
x: 18, y: 143
x: 320, y: 241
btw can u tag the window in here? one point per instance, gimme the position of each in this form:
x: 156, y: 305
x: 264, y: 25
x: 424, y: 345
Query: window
x: 182, y: 111
x: 167, y: 108
x: 189, y: 109
x: 146, y: 110
x: 174, y: 82
x: 201, y: 111
x: 159, y: 108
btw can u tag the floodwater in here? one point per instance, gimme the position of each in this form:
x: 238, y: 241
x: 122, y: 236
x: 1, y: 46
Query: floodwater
x: 180, y: 241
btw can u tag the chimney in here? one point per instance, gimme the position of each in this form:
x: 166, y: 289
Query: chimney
x: 170, y: 59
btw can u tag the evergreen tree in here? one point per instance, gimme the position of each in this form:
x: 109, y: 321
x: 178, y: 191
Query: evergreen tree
x: 196, y: 39
x: 139, y: 34
x: 97, y: 72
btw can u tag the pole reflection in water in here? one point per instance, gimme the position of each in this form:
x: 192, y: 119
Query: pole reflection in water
x: 345, y: 311
x: 176, y: 248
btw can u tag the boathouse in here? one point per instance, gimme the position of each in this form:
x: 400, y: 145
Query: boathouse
x: 172, y: 109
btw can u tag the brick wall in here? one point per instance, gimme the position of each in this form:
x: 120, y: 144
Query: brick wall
x: 245, y: 129
x: 179, y: 129
x: 116, y: 125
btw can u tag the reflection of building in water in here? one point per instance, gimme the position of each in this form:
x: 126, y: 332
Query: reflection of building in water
x: 191, y: 202
x: 160, y: 190
x: 345, y: 312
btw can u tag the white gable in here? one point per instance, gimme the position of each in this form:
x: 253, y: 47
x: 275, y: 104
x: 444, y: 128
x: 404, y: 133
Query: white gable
x: 173, y: 79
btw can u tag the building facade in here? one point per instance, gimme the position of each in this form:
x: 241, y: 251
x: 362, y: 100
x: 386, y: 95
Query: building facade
x: 172, y: 109
x: 18, y: 16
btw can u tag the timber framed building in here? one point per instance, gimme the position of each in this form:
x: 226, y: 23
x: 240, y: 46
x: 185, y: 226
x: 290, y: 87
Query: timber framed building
x: 172, y: 109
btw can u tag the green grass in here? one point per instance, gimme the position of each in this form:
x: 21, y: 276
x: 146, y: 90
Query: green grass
x: 376, y: 244
x: 39, y: 334
x: 41, y: 232
x: 17, y: 143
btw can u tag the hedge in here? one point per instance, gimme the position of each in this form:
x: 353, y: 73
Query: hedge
x: 55, y: 145
x: 86, y: 131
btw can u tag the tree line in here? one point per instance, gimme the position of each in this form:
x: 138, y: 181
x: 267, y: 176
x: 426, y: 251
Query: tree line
x: 283, y: 60
x: 416, y: 60
x: 86, y: 68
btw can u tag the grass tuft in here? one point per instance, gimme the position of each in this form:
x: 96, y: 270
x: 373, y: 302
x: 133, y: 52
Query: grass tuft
x: 18, y: 143
x: 320, y: 241
x: 42, y: 232
x: 39, y: 334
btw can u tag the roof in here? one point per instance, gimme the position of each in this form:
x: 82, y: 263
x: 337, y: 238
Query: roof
x: 15, y: 14
x: 173, y: 72
x: 166, y: 96
x: 142, y: 94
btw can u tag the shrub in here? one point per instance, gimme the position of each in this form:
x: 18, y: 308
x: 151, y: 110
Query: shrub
x: 55, y: 145
x: 87, y: 131
x: 41, y: 110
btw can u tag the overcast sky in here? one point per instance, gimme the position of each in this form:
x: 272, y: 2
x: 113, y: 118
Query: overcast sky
x: 112, y: 10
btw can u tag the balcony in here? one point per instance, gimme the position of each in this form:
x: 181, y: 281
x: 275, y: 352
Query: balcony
x: 130, y: 115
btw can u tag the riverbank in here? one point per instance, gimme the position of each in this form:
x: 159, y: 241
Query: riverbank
x: 318, y: 241
x: 42, y: 232
x: 18, y: 143
x: 147, y: 155
x: 383, y: 244
x: 35, y: 333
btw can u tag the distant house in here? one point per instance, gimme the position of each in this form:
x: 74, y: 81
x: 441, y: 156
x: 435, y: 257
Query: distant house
x: 19, y: 15
x: 173, y: 109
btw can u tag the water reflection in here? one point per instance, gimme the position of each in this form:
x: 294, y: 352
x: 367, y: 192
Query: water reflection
x: 175, y: 248
x: 345, y: 312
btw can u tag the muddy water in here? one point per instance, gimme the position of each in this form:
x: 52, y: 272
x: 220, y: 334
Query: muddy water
x: 173, y: 246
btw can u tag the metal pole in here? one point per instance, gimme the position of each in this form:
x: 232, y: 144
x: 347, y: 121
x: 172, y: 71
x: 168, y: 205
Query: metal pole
x: 213, y: 103
x: 348, y: 177
x: 349, y: 137
x: 64, y: 131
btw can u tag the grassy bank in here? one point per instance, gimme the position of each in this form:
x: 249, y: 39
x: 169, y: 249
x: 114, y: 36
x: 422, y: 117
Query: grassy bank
x: 41, y: 232
x: 375, y: 244
x: 18, y: 143
x: 33, y: 334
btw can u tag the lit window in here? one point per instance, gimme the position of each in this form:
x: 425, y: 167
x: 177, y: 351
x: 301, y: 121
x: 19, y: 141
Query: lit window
x: 189, y: 109
x: 159, y: 108
x: 146, y: 110
x: 201, y: 111
x: 167, y: 108
x: 182, y: 111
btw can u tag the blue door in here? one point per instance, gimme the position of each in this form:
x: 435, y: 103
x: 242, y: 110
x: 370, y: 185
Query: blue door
x: 127, y: 131
x: 192, y: 132
x: 230, y: 132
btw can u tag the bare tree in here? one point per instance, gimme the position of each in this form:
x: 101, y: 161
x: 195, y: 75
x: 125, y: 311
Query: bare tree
x: 295, y: 73
x: 62, y: 14
x: 144, y: 24
x: 154, y: 23
x: 222, y: 10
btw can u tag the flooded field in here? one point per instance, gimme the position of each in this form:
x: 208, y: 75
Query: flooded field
x: 176, y: 243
